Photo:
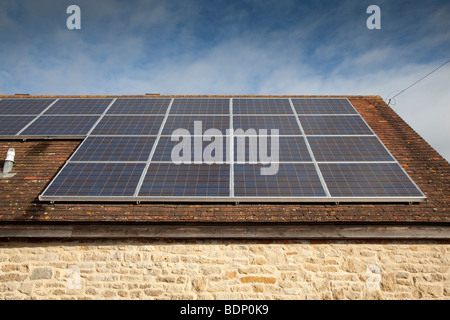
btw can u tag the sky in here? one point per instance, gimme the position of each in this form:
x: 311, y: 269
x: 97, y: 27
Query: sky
x: 246, y: 47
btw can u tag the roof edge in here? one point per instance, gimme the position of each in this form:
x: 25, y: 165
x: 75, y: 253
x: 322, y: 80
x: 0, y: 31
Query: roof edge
x: 27, y: 96
x: 237, y: 231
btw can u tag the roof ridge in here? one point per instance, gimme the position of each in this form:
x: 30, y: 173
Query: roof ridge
x: 27, y: 96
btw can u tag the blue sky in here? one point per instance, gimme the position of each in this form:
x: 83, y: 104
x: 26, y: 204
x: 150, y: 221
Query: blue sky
x: 234, y: 47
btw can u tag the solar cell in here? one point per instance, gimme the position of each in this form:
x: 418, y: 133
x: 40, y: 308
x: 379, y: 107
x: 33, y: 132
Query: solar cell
x: 147, y: 106
x: 368, y: 180
x: 114, y: 149
x: 286, y: 125
x: 262, y: 106
x: 323, y: 106
x: 292, y: 180
x: 186, y: 180
x: 334, y: 125
x: 60, y: 126
x: 347, y: 149
x: 88, y: 106
x: 96, y: 180
x: 200, y: 106
x: 128, y: 125
x: 11, y: 125
x: 25, y: 106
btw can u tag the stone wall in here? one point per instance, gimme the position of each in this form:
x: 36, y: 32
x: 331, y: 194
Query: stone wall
x: 138, y: 269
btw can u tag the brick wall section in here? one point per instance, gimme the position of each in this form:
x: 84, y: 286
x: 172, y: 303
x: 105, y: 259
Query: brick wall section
x: 223, y: 270
x: 38, y: 161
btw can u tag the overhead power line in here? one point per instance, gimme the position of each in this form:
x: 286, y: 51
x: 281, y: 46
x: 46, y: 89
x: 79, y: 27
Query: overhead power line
x: 393, y: 98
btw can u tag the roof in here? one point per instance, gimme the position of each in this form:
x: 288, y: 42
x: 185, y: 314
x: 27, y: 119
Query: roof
x: 38, y: 161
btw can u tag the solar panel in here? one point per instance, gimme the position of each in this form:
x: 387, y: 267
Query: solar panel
x: 261, y: 106
x: 89, y: 106
x: 128, y: 125
x: 325, y: 151
x: 114, y: 149
x: 13, y: 124
x: 25, y: 106
x: 139, y: 106
x: 60, y: 126
x: 290, y: 149
x: 186, y: 180
x: 334, y: 125
x: 323, y: 106
x: 90, y: 180
x: 183, y: 147
x: 191, y: 122
x: 200, y: 106
x: 286, y: 125
x: 348, y: 149
x: 292, y: 180
x: 368, y: 180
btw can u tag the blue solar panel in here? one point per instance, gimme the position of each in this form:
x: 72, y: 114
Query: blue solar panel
x: 323, y: 106
x: 334, y: 125
x: 262, y: 106
x: 290, y: 149
x: 368, y: 180
x: 349, y: 149
x: 96, y: 180
x: 26, y: 106
x: 286, y: 125
x: 114, y: 149
x: 89, y: 106
x: 200, y: 106
x: 184, y: 148
x: 139, y: 106
x: 128, y: 125
x: 291, y: 180
x: 186, y: 180
x: 60, y: 126
x: 11, y: 125
x: 188, y: 123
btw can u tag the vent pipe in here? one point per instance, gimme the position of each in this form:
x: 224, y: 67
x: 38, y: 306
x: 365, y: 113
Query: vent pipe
x: 9, y: 161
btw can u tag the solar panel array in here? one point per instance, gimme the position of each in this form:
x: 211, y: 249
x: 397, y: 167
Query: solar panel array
x: 212, y: 149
